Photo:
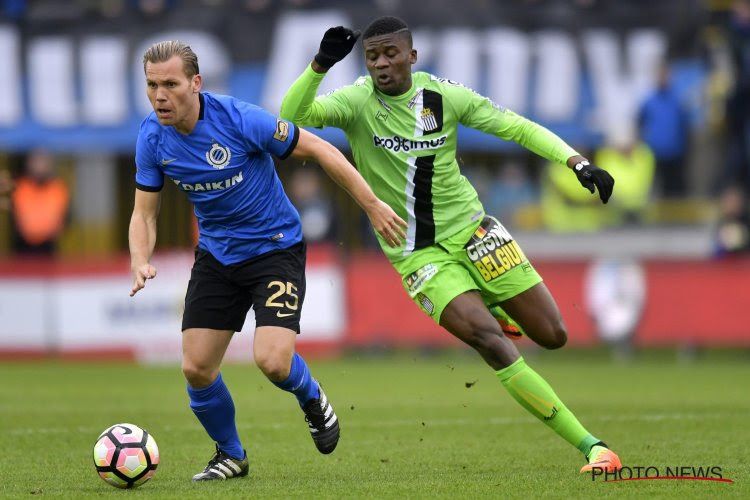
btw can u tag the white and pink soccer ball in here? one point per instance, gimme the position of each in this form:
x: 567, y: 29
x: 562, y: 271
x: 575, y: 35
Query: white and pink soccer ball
x: 126, y: 456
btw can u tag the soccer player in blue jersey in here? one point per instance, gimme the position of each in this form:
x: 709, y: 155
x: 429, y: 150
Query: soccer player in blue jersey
x: 250, y: 252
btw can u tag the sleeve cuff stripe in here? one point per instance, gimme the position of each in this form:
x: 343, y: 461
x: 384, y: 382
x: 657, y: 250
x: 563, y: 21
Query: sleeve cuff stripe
x: 292, y: 145
x: 150, y: 189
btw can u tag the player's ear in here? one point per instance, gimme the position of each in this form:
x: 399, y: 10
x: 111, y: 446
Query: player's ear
x: 197, y: 83
x: 413, y: 56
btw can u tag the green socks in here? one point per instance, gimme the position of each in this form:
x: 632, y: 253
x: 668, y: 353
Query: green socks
x: 535, y: 394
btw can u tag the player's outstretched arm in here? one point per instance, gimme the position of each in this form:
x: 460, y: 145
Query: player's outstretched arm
x: 590, y: 176
x: 142, y: 237
x: 300, y: 104
x: 479, y: 112
x: 385, y: 221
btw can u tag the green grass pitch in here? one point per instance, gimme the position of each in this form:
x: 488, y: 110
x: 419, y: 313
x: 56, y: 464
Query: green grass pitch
x: 414, y: 425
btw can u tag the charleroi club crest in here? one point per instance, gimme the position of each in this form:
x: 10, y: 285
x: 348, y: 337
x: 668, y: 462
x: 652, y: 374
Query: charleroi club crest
x: 218, y: 156
x: 428, y: 120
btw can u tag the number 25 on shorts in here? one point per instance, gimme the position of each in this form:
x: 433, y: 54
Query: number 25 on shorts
x: 275, y: 300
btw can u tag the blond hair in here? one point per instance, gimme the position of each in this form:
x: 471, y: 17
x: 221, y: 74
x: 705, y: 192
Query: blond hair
x: 164, y: 51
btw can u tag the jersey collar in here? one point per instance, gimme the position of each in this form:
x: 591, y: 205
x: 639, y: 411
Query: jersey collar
x: 398, y: 98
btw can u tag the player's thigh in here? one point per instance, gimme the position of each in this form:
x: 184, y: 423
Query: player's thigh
x: 213, y: 301
x: 275, y: 283
x: 433, y: 279
x: 517, y: 293
x: 469, y: 320
x: 502, y: 273
x: 203, y: 350
x: 466, y: 316
x: 498, y: 265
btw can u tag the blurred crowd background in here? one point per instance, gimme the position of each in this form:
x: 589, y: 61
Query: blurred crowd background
x: 658, y: 93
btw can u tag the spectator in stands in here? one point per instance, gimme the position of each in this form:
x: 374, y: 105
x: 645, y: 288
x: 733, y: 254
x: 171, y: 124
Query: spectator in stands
x: 13, y: 9
x: 108, y: 9
x: 663, y: 124
x: 315, y: 209
x: 40, y: 203
x: 510, y: 189
x: 566, y: 208
x: 632, y: 163
x: 738, y: 103
x: 151, y: 8
x: 6, y: 187
x: 256, y: 6
x: 733, y: 228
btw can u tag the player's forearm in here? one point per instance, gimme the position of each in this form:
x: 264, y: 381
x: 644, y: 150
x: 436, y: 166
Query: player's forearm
x: 299, y: 104
x: 141, y: 239
x: 539, y: 140
x: 345, y: 175
x: 311, y: 147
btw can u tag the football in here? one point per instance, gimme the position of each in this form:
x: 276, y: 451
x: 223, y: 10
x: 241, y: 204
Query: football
x: 125, y: 455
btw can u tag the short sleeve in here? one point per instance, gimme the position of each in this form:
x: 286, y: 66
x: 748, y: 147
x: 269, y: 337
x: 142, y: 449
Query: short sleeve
x: 148, y: 174
x: 265, y: 132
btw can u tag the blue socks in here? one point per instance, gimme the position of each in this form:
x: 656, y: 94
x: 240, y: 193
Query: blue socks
x: 214, y: 408
x: 300, y: 382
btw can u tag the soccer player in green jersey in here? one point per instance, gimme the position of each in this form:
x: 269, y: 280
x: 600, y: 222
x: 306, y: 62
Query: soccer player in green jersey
x: 459, y: 265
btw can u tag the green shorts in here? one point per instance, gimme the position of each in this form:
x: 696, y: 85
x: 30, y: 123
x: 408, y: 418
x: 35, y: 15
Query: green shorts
x: 482, y: 257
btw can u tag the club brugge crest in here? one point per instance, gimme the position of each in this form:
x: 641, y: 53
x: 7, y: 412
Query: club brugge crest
x: 218, y: 156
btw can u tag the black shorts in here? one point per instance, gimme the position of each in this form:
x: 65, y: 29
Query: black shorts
x: 273, y: 284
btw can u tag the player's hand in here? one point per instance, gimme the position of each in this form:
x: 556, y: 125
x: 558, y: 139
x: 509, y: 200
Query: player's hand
x: 389, y: 225
x: 336, y: 44
x: 591, y: 176
x: 140, y: 275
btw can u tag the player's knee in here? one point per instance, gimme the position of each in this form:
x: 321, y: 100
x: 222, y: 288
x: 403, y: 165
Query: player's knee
x: 273, y: 366
x: 198, y: 376
x: 482, y: 335
x: 557, y: 336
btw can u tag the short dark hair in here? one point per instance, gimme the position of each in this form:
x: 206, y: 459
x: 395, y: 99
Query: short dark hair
x: 386, y: 25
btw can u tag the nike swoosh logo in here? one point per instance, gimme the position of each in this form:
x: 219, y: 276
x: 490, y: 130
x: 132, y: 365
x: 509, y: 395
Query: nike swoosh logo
x: 166, y: 162
x: 283, y: 315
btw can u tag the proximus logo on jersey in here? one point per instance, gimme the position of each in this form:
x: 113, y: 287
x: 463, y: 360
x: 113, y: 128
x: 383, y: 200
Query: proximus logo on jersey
x: 398, y: 143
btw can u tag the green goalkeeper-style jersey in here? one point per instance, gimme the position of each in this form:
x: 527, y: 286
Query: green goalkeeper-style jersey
x: 405, y: 146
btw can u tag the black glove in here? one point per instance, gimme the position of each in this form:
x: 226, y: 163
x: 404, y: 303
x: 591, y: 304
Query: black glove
x: 336, y: 44
x: 590, y: 175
